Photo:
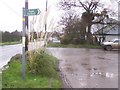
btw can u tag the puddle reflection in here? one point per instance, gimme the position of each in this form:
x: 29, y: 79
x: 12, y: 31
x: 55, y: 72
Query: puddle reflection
x: 107, y: 74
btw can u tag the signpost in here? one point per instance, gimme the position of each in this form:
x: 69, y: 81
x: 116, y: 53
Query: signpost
x: 23, y: 48
x: 31, y: 12
x: 26, y: 13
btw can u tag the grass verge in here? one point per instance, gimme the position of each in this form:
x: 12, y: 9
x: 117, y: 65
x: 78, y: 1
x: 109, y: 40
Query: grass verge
x: 47, y: 78
x: 0, y: 80
x: 8, y: 43
x: 74, y: 46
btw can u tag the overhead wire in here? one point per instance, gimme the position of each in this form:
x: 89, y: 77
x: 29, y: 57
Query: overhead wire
x: 10, y: 8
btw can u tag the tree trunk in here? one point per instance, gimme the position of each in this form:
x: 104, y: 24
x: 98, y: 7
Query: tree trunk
x: 89, y: 35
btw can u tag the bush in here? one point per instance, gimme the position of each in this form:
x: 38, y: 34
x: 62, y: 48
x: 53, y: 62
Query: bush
x: 75, y: 41
x: 12, y: 76
x: 42, y: 63
x: 65, y: 40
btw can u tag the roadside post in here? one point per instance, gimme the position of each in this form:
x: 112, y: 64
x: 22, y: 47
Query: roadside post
x: 26, y: 13
x: 27, y: 26
x: 23, y: 47
x: 119, y: 42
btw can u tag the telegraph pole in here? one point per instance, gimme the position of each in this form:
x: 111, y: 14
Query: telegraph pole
x: 45, y: 24
x: 46, y: 12
x: 24, y: 40
x: 119, y: 19
x: 23, y: 47
x: 118, y: 33
x: 26, y: 26
x: 26, y: 12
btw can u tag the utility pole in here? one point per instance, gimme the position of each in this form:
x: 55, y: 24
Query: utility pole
x: 26, y: 12
x: 26, y: 26
x: 46, y: 25
x: 46, y: 17
x: 119, y: 19
x: 24, y: 40
x: 23, y: 47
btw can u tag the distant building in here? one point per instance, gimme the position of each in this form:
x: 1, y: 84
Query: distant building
x: 108, y: 33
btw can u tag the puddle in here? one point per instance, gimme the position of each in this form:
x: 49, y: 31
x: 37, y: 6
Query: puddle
x: 102, y: 74
x: 103, y: 58
x: 92, y: 69
x: 109, y: 75
x: 83, y: 84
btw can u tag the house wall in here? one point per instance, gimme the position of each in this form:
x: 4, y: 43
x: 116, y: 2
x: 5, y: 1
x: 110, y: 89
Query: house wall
x: 108, y: 37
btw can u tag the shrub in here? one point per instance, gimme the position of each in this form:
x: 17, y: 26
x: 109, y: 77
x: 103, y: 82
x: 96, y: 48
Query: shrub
x: 42, y: 63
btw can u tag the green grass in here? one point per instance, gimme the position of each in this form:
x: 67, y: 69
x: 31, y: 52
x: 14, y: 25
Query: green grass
x: 12, y: 77
x: 74, y: 46
x: 8, y: 43
x: 0, y: 80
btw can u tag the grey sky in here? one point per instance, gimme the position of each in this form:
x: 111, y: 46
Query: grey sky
x: 11, y: 11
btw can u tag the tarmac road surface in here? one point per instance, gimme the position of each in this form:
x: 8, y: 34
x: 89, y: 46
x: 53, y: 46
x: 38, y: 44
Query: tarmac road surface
x: 80, y: 68
x: 8, y: 51
x: 87, y: 68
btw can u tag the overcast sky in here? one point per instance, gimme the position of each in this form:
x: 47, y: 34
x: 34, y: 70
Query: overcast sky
x: 11, y: 11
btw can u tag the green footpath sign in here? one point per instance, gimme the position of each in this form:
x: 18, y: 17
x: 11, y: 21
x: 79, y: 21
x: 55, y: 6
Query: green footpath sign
x: 31, y: 12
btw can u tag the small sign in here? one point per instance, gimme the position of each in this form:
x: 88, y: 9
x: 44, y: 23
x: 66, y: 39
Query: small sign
x: 31, y: 12
x: 23, y: 41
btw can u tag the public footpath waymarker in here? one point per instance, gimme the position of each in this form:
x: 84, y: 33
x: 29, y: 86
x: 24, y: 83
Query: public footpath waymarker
x: 26, y: 12
x: 31, y: 12
x: 23, y: 48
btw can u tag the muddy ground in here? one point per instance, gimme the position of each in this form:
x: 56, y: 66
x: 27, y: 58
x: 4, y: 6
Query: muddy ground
x: 87, y: 68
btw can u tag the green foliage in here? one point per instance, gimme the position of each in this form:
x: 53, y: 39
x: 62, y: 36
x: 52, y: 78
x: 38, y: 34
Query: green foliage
x: 12, y: 77
x: 90, y: 16
x: 11, y: 37
x: 56, y: 45
x: 73, y: 38
x: 74, y: 31
x: 95, y: 46
x: 42, y: 63
x: 8, y: 43
x: 66, y: 40
x: 0, y: 80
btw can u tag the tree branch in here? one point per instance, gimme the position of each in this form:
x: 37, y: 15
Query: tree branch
x: 110, y: 23
x: 83, y: 5
x: 94, y: 5
x: 73, y: 5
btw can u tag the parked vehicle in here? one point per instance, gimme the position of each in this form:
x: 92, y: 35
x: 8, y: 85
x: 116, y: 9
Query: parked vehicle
x: 113, y: 44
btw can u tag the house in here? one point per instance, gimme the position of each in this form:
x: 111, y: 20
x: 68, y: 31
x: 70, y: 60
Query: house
x: 107, y: 32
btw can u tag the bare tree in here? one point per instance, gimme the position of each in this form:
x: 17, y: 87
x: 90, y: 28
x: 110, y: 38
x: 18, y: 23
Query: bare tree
x: 74, y: 30
x: 93, y: 13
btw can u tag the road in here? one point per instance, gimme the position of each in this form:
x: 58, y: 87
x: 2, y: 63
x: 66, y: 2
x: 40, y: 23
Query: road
x: 7, y: 51
x: 88, y: 68
x: 80, y: 68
